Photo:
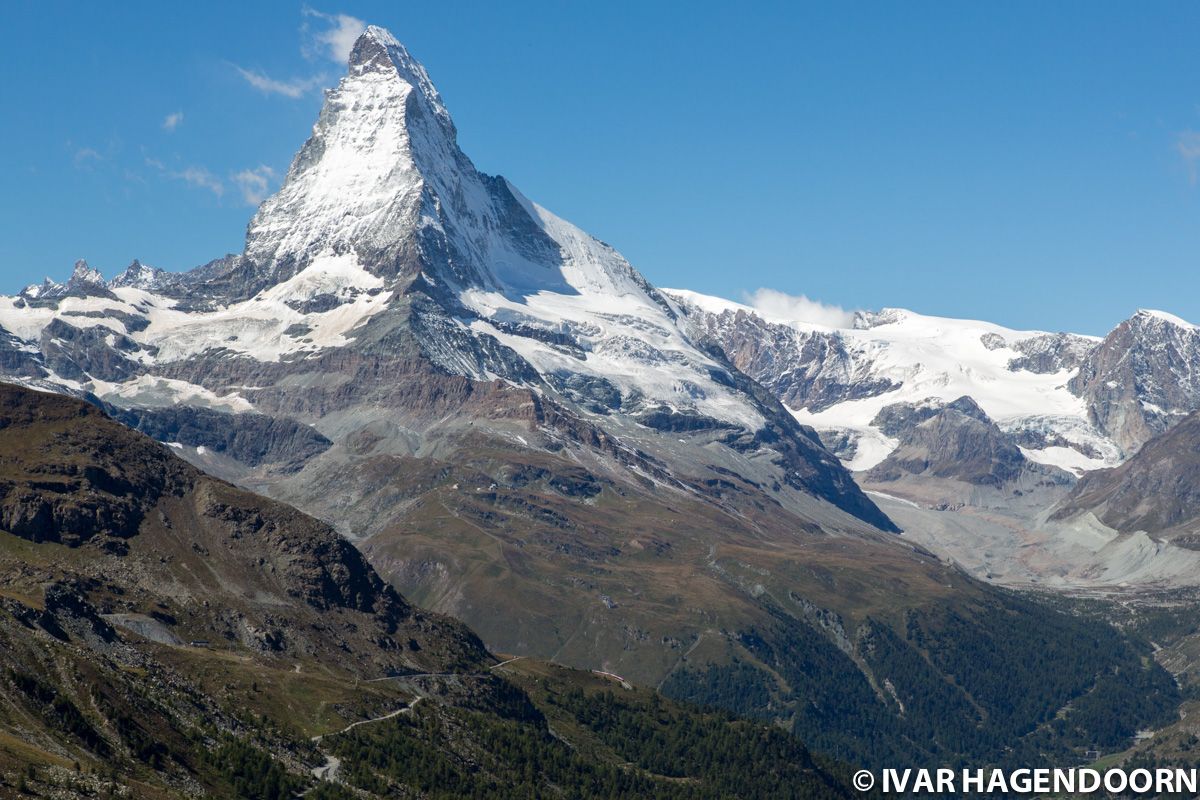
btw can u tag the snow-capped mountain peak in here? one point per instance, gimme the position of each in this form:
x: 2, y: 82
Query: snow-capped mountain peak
x: 360, y: 179
x: 83, y: 275
x: 387, y: 263
x: 383, y: 181
x: 1143, y: 377
x: 36, y: 290
x: 1150, y: 315
x: 378, y: 49
x: 137, y: 276
x: 382, y: 174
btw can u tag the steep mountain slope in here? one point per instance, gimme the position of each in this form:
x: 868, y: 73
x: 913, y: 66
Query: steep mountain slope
x: 157, y: 532
x: 1155, y: 492
x: 1142, y: 378
x: 164, y: 634
x: 953, y: 453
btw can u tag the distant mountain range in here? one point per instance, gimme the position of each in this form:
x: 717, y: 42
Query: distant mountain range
x: 517, y: 429
x: 1069, y: 401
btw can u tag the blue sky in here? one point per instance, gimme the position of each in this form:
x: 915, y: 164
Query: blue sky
x: 1034, y: 164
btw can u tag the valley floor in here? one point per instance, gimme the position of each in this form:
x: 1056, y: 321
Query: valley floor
x: 1011, y: 542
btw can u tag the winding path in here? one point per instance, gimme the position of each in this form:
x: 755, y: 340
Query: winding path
x: 329, y: 770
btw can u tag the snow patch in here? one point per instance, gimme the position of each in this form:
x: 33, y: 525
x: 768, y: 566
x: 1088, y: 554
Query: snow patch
x: 1065, y: 458
x: 1166, y: 316
x: 151, y: 391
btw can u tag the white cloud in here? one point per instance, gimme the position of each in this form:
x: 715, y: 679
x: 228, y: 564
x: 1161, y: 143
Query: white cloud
x: 1188, y: 145
x: 172, y: 121
x: 336, y: 40
x: 798, y: 308
x: 253, y: 183
x: 201, y: 179
x: 85, y: 157
x: 296, y: 87
x: 198, y: 177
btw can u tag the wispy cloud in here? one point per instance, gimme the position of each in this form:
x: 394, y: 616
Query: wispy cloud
x: 172, y: 121
x: 293, y: 88
x: 332, y: 36
x: 200, y: 178
x: 1188, y: 146
x: 799, y: 308
x: 195, y: 176
x: 336, y: 39
x: 254, y: 183
x: 86, y: 157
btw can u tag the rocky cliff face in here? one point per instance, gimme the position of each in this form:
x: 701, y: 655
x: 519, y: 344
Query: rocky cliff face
x: 154, y: 532
x: 953, y: 454
x: 1142, y: 378
x: 811, y: 369
x: 61, y: 479
x: 1156, y: 491
x: 956, y: 440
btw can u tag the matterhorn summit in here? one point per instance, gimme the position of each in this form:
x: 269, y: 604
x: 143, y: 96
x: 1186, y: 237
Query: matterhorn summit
x: 380, y: 156
x: 382, y: 175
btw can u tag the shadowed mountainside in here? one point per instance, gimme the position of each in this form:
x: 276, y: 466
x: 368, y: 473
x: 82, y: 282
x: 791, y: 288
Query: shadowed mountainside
x: 164, y: 634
